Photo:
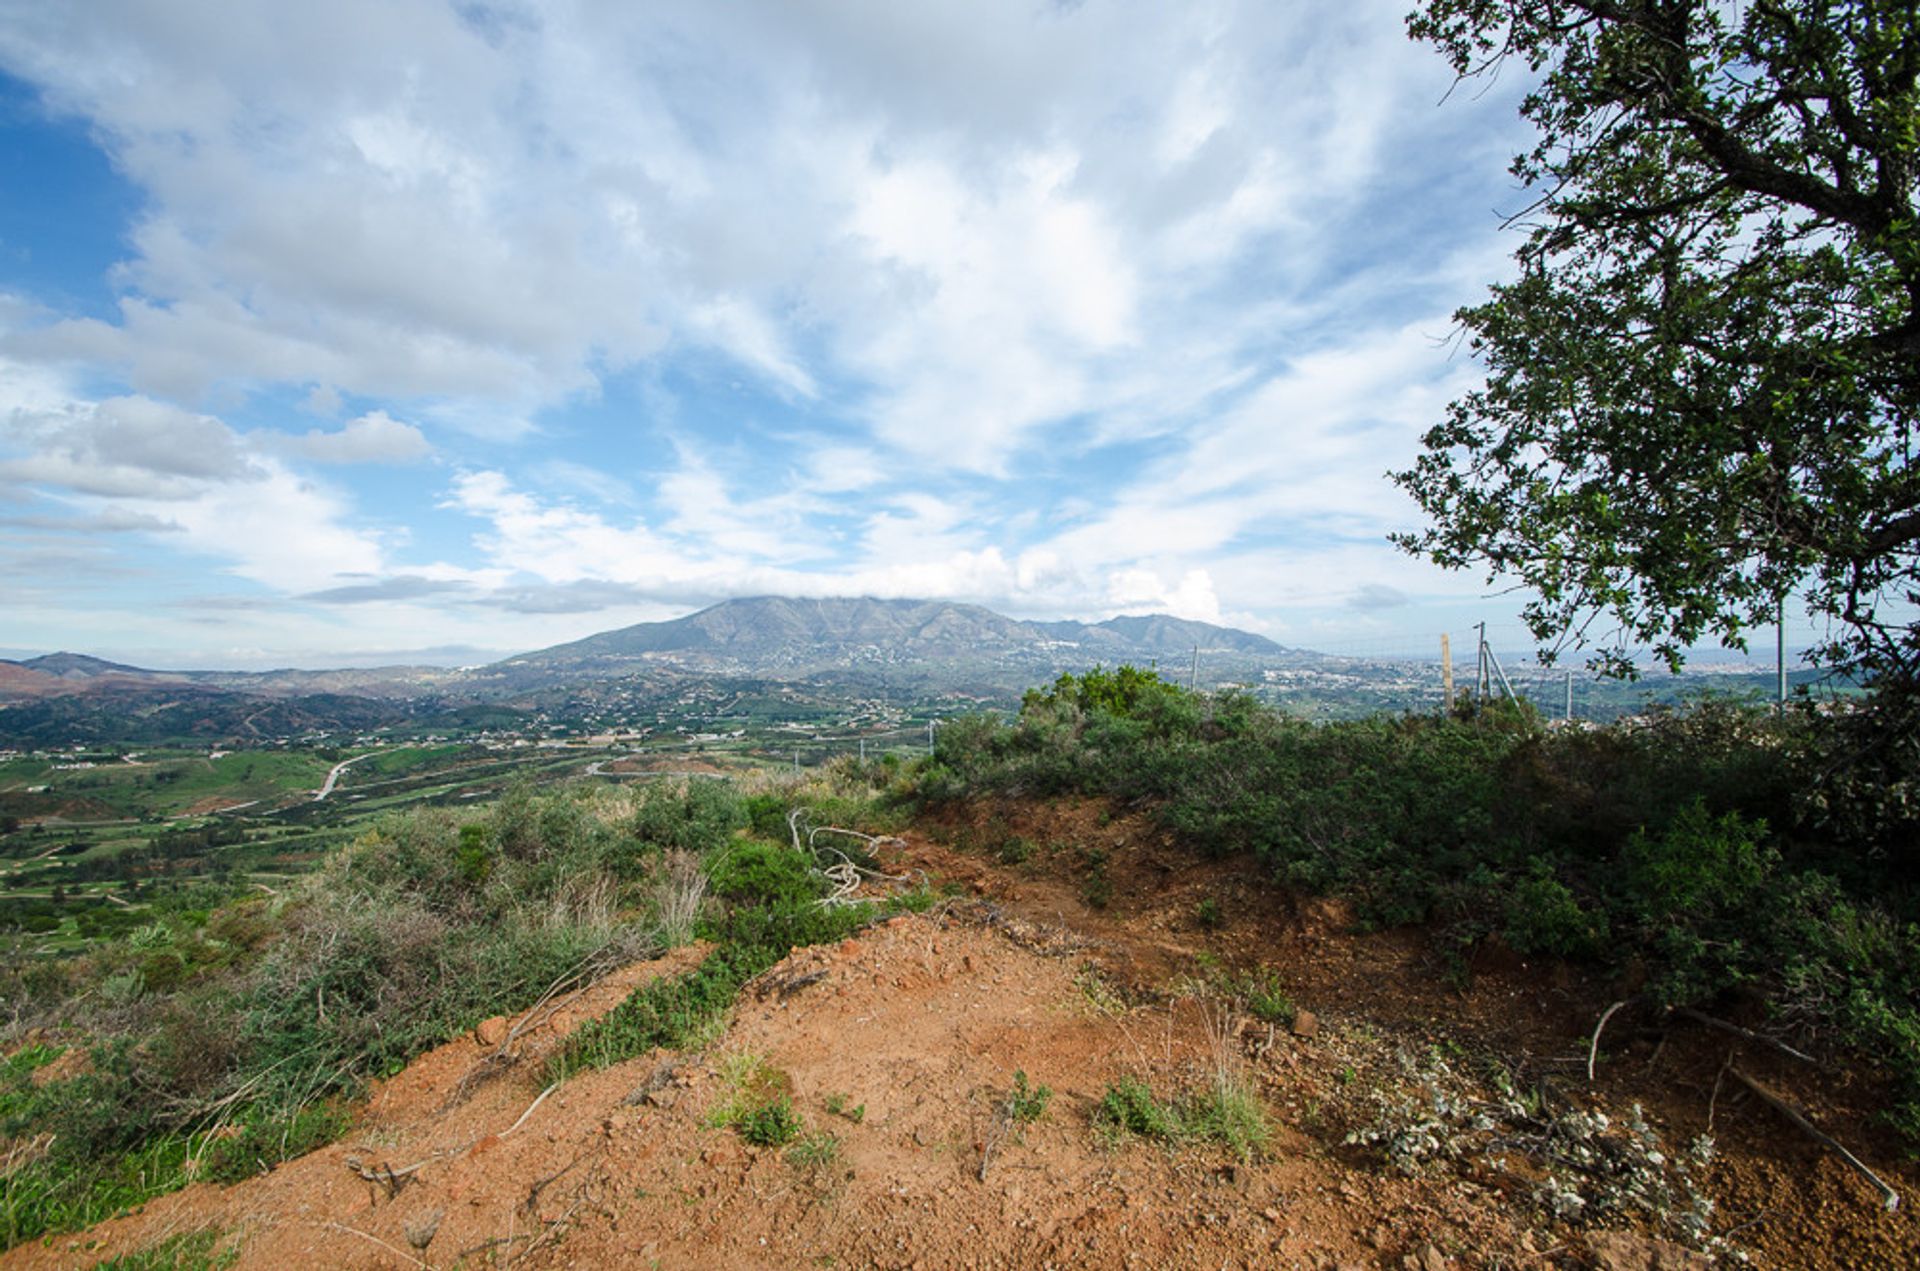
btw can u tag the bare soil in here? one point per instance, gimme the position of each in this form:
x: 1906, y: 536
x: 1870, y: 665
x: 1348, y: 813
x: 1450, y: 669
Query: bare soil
x: 903, y: 1044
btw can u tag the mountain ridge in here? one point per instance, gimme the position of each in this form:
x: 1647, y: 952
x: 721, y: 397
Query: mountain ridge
x: 828, y: 631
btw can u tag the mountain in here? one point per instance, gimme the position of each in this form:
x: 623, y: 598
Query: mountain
x: 80, y: 666
x: 1160, y: 634
x: 20, y: 681
x: 904, y: 639
x: 786, y: 632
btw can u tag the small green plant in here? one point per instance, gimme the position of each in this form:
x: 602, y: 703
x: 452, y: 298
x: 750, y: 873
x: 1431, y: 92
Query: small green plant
x: 204, y: 1250
x: 770, y: 1124
x: 1100, y: 995
x: 1225, y: 1112
x: 1262, y: 995
x: 837, y: 1105
x: 1015, y: 851
x: 759, y: 1103
x: 1229, y: 1113
x: 1027, y: 1103
x: 1207, y: 915
x: 1128, y: 1107
x: 813, y: 1151
x: 1097, y: 891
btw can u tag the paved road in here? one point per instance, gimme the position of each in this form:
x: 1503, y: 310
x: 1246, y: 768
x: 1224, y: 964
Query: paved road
x: 339, y: 768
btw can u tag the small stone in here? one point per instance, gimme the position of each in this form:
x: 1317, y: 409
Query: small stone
x: 1305, y: 1024
x: 491, y: 1032
x: 1431, y: 1259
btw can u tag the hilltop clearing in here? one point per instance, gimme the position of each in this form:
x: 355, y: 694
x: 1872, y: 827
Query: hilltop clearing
x: 1323, y: 1099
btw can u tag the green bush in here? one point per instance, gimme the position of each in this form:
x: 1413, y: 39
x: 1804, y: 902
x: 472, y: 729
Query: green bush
x: 692, y: 814
x: 473, y: 861
x: 1544, y: 916
x: 770, y: 873
x: 770, y: 1125
x: 1707, y: 848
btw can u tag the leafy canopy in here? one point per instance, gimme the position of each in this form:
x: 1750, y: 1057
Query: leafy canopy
x: 1702, y: 388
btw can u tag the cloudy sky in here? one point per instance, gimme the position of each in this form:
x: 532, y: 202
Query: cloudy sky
x: 409, y: 328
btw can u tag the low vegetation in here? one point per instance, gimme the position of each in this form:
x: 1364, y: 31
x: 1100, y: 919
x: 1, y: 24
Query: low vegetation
x: 1701, y: 859
x: 212, y: 1043
x: 1718, y: 857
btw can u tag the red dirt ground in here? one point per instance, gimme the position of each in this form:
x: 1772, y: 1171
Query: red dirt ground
x: 921, y: 1024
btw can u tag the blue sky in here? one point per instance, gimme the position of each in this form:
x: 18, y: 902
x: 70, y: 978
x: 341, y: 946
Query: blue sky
x: 388, y: 329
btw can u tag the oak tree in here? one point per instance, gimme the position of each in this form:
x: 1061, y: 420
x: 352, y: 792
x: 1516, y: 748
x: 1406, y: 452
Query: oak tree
x: 1702, y: 387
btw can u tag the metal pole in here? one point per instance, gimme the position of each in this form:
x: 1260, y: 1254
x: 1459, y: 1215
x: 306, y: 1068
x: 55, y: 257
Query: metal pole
x: 1569, y: 696
x: 1780, y: 648
x: 1446, y: 669
x: 1194, y: 674
x: 929, y: 736
x: 1483, y: 682
x: 863, y: 750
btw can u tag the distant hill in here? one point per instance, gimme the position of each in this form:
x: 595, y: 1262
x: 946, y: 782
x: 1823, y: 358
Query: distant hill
x: 79, y: 666
x: 775, y: 635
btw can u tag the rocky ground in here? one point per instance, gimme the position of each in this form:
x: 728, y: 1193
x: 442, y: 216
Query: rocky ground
x: 1422, y: 1115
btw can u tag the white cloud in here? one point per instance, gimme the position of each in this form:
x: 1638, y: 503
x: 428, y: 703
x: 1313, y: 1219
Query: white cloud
x: 375, y: 437
x: 123, y: 446
x: 957, y: 256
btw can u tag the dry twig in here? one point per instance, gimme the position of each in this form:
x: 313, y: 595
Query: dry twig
x: 1787, y: 1110
x: 529, y: 1112
x: 1737, y: 1031
x: 1593, y: 1048
x: 393, y: 1249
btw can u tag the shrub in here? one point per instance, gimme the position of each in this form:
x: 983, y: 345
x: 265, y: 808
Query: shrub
x: 693, y: 814
x: 1543, y: 916
x: 472, y: 860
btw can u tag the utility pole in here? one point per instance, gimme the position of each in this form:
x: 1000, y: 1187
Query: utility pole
x: 1446, y: 669
x: 1482, y: 681
x: 1569, y: 696
x: 929, y: 736
x: 1780, y: 649
x: 1194, y: 674
x: 863, y: 750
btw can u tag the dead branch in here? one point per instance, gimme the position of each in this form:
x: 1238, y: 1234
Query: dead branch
x: 1737, y: 1031
x: 532, y: 1202
x: 785, y: 985
x: 1792, y: 1114
x: 871, y: 840
x: 385, y: 1175
x: 1713, y: 1099
x: 485, y: 1245
x: 393, y: 1249
x: 529, y: 1112
x: 1593, y: 1047
x: 996, y: 1134
x: 585, y: 973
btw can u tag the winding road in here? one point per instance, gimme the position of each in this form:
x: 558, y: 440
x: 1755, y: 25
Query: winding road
x: 339, y: 768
